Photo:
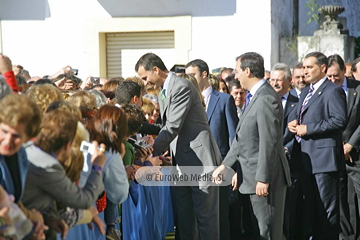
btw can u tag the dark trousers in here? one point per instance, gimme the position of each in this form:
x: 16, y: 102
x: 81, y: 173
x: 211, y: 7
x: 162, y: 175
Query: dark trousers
x: 321, y: 194
x: 294, y: 207
x: 197, y: 212
x: 353, y: 172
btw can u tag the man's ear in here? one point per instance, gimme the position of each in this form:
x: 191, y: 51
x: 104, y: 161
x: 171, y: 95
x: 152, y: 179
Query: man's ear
x: 323, y: 68
x: 248, y: 72
x: 204, y: 74
x: 156, y: 70
x: 133, y: 100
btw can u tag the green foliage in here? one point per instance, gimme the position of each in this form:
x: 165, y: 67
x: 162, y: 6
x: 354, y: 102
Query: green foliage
x: 313, y: 12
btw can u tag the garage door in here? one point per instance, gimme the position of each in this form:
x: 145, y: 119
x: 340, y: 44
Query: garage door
x: 123, y: 50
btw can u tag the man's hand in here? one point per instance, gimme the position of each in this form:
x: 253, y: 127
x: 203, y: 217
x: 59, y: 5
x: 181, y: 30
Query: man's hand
x: 262, y: 189
x: 155, y: 161
x: 64, y: 70
x: 234, y: 182
x: 39, y: 225
x: 301, y: 130
x: 292, y: 126
x: 61, y: 83
x: 218, y: 172
x: 17, y: 69
x: 130, y: 171
x: 60, y: 226
x: 5, y: 64
x: 87, y: 83
x: 348, y: 148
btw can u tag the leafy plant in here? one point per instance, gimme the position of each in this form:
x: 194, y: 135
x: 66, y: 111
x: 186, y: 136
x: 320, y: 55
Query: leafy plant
x: 313, y: 12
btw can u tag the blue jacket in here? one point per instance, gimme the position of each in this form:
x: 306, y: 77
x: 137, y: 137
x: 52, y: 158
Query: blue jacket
x: 223, y: 119
x: 5, y: 176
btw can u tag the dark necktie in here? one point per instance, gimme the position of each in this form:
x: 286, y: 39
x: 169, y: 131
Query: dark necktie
x: 306, y: 100
x: 248, y: 98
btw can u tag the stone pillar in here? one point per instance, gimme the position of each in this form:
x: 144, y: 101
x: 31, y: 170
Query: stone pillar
x: 332, y: 38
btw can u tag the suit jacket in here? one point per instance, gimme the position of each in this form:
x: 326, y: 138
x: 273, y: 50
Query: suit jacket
x: 351, y: 134
x: 186, y: 127
x: 5, y: 176
x: 262, y: 155
x: 325, y: 118
x: 46, y: 182
x: 289, y: 115
x: 222, y: 117
x: 293, y: 92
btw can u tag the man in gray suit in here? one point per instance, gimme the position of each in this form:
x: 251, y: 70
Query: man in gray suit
x: 186, y: 129
x: 265, y: 170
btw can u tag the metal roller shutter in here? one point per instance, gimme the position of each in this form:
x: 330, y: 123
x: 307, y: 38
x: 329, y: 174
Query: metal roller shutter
x: 123, y: 50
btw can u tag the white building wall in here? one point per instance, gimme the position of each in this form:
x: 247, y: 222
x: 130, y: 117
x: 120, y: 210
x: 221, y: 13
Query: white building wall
x: 55, y: 35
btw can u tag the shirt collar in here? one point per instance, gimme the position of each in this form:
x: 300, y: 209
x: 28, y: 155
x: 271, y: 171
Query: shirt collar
x: 285, y: 96
x: 298, y: 92
x: 206, y: 93
x: 318, y: 84
x: 257, y: 86
x: 345, y: 84
x: 166, y: 83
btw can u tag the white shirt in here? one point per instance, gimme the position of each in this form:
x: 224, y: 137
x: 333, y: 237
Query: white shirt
x: 166, y: 83
x: 318, y: 84
x: 344, y: 86
x: 256, y: 87
x: 298, y: 92
x: 284, y: 99
x: 206, y: 94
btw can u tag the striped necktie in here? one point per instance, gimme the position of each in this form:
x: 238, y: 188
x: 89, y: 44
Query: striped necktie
x: 248, y: 98
x: 306, y: 100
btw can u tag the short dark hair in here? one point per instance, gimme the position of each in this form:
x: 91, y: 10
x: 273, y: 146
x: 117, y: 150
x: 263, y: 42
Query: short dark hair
x: 135, y: 118
x: 126, y: 91
x: 149, y: 61
x: 229, y: 78
x: 320, y: 58
x: 253, y: 61
x: 299, y: 66
x: 234, y: 83
x: 336, y: 59
x: 353, y: 66
x: 201, y: 64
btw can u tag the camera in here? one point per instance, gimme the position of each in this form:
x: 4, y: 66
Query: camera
x: 87, y: 147
x: 139, y: 144
x: 74, y: 71
x: 95, y: 80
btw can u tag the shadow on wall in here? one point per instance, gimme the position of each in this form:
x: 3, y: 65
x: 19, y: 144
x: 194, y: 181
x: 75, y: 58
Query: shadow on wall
x: 24, y: 10
x: 141, y: 8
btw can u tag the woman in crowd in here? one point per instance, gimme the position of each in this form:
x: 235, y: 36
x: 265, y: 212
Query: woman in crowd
x: 109, y: 126
x: 46, y: 181
x: 44, y: 94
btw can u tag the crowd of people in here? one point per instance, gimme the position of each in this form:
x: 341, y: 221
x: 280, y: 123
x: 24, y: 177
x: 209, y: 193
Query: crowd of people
x: 70, y: 152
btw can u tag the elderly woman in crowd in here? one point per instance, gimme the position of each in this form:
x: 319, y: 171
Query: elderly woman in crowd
x: 46, y: 181
x: 20, y: 121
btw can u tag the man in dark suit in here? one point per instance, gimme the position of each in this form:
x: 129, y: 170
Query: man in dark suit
x: 265, y: 170
x: 222, y: 117
x: 321, y: 119
x: 349, y: 178
x: 298, y: 80
x: 280, y: 78
x: 186, y: 130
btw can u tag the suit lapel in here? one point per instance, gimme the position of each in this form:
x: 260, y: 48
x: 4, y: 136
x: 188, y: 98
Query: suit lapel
x: 249, y: 106
x: 214, y: 98
x: 167, y: 100
x: 316, y: 94
x: 290, y: 105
